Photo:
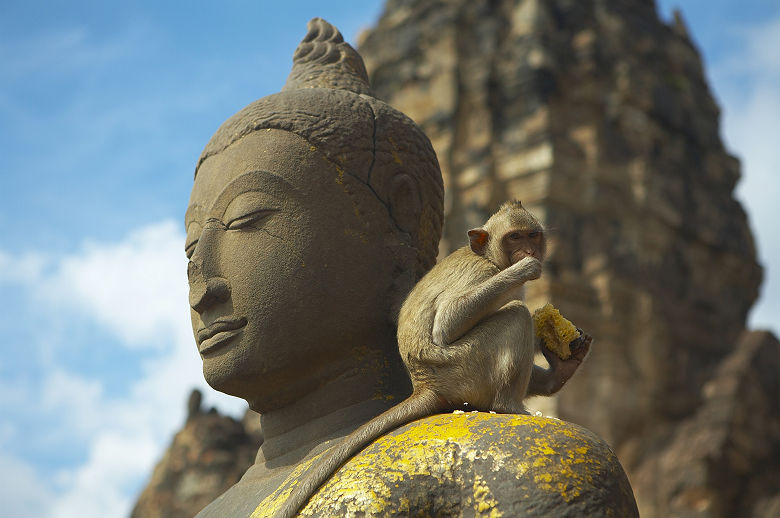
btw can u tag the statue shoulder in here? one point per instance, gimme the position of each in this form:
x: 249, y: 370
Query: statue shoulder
x: 488, y: 464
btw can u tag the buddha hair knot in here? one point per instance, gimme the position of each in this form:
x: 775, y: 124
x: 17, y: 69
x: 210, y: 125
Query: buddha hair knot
x: 324, y: 60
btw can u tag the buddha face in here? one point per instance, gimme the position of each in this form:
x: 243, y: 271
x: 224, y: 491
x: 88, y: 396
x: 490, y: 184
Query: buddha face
x: 285, y: 277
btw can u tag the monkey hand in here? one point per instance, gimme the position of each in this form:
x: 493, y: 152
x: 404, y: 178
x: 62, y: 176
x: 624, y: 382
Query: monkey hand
x: 580, y: 346
x: 562, y: 370
x: 527, y: 269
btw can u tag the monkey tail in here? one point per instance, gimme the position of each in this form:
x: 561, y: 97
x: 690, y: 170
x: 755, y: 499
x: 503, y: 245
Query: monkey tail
x: 420, y: 404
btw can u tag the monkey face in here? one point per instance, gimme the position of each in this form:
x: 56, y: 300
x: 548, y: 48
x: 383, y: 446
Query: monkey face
x: 285, y: 278
x: 521, y: 243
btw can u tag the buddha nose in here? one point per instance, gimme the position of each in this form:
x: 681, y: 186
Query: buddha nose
x: 205, y: 292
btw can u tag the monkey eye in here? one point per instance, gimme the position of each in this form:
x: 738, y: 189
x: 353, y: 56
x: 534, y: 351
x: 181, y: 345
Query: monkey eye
x: 515, y: 236
x: 533, y: 234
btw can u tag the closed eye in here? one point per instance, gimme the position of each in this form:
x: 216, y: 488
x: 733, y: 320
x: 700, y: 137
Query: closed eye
x: 194, y: 229
x: 190, y: 249
x: 249, y: 220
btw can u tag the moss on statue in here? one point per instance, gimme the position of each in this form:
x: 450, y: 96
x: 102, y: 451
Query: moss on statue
x: 474, y: 463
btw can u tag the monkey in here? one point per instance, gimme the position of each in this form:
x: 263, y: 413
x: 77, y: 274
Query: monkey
x: 466, y: 339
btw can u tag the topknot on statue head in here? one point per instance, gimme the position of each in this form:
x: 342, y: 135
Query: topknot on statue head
x: 327, y: 100
x: 324, y: 60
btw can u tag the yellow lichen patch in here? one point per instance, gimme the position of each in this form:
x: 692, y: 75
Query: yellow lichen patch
x: 454, y: 464
x: 548, y: 455
x: 273, y: 502
x: 355, y: 234
x: 340, y: 175
x: 566, y: 471
x: 555, y: 331
x: 396, y: 158
x: 484, y: 501
x: 368, y: 481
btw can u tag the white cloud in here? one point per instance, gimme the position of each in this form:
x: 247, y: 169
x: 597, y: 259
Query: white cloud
x: 78, y: 397
x: 22, y: 491
x: 103, y: 485
x: 23, y: 269
x: 136, y: 290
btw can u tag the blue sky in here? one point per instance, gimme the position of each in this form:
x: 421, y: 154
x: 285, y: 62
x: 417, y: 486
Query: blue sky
x: 104, y: 109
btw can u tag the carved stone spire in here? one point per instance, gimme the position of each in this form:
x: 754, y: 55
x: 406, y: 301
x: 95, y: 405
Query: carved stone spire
x: 324, y: 60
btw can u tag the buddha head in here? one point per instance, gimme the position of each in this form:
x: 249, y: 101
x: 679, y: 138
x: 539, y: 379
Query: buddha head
x: 313, y: 212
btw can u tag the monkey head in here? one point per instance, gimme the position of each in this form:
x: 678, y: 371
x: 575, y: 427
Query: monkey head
x: 508, y: 236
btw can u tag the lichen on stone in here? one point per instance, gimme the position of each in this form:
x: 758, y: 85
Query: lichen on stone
x: 475, y: 464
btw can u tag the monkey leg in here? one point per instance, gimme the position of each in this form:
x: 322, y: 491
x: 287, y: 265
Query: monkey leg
x: 493, y: 361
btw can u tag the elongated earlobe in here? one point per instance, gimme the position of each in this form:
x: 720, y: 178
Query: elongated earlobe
x: 405, y: 204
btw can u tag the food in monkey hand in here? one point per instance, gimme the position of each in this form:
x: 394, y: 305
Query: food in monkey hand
x: 555, y: 331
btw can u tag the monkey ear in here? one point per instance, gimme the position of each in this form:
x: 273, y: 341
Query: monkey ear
x: 478, y: 238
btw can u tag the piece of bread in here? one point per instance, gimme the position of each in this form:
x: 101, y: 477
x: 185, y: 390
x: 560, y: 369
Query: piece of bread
x: 555, y: 331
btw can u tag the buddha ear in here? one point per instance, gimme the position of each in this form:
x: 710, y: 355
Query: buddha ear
x: 478, y: 238
x: 405, y: 203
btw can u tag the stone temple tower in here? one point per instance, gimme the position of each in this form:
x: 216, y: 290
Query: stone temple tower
x: 597, y: 116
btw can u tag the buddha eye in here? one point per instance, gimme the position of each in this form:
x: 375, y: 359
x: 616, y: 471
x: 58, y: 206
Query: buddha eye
x: 248, y: 220
x: 194, y: 230
x: 189, y: 249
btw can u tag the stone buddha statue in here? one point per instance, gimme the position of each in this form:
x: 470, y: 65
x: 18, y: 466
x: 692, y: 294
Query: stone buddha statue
x: 313, y: 213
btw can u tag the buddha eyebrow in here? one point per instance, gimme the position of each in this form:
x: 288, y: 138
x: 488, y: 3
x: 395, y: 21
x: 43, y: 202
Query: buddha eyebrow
x: 257, y: 180
x: 193, y: 213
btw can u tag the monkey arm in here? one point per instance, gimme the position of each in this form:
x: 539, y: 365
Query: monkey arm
x: 542, y: 382
x: 545, y: 382
x: 455, y: 316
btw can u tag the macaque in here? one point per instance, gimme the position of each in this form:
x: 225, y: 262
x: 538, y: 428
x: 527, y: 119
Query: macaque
x: 466, y: 338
